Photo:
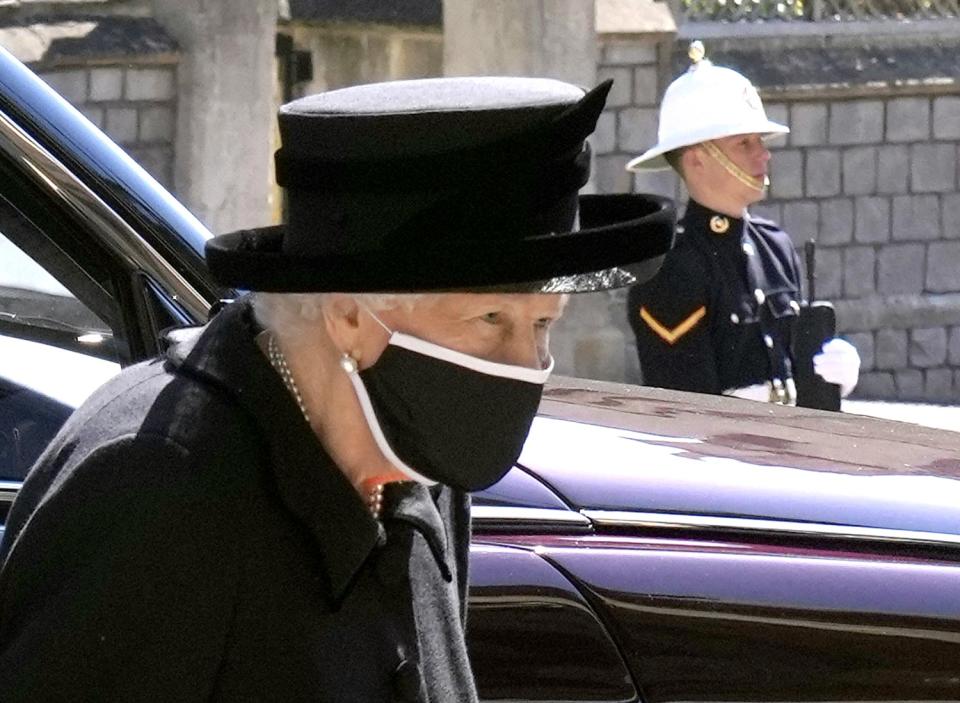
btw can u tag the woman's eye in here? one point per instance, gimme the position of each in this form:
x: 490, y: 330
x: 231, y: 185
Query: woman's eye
x: 544, y: 323
x: 491, y: 318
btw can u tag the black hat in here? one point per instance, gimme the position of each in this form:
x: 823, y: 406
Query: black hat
x: 445, y: 184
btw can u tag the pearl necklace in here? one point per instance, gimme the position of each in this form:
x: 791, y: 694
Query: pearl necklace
x: 279, y: 363
x: 374, y: 497
x: 374, y: 492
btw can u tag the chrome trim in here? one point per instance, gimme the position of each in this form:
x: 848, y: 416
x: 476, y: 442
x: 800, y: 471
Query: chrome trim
x: 616, y: 518
x: 527, y: 516
x: 9, y: 490
x: 119, y: 236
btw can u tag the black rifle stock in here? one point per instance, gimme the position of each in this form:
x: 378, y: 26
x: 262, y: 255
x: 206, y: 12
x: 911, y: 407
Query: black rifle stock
x: 817, y: 323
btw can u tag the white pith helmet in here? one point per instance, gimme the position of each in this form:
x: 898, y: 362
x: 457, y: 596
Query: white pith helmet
x: 707, y: 102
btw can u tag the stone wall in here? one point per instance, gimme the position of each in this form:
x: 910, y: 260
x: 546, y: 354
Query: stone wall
x: 870, y: 170
x: 639, y: 68
x: 226, y: 80
x: 120, y: 72
x: 134, y: 102
x: 546, y: 38
x: 874, y: 180
x: 186, y: 87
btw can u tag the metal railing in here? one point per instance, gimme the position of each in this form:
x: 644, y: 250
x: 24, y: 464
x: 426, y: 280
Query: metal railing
x: 818, y: 10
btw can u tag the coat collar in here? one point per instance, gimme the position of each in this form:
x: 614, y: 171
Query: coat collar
x: 700, y: 219
x: 413, y: 503
x: 224, y: 354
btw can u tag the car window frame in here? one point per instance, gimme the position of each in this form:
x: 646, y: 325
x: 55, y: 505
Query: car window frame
x: 96, y: 251
x: 94, y: 236
x: 91, y: 291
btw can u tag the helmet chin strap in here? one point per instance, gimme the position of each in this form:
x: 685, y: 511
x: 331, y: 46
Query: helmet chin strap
x: 758, y: 184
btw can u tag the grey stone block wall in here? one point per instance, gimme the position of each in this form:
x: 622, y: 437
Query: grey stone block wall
x: 823, y: 173
x: 605, y: 346
x: 855, y: 122
x: 133, y: 102
x: 859, y: 170
x: 628, y: 126
x: 887, y: 227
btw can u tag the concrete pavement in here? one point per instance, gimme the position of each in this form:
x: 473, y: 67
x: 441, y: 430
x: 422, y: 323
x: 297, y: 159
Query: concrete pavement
x: 945, y: 417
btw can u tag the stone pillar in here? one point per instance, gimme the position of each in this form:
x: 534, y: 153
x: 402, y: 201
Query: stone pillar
x: 225, y: 108
x: 549, y: 38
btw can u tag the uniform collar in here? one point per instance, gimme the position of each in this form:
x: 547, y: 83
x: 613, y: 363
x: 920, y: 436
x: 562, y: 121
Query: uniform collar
x: 224, y: 354
x: 699, y: 218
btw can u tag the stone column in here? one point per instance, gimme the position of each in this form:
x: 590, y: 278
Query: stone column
x: 225, y: 108
x: 550, y: 38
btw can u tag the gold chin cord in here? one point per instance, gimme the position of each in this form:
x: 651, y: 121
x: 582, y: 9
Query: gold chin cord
x: 759, y: 184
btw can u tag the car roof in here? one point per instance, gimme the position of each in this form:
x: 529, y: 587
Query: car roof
x: 614, y: 447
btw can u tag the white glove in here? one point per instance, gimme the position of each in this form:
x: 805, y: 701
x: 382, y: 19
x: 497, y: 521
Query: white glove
x: 838, y: 362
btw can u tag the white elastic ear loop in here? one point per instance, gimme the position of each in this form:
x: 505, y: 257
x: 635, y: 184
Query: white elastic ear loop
x: 371, y: 314
x: 360, y: 390
x: 378, y: 436
x: 438, y: 351
x: 474, y: 363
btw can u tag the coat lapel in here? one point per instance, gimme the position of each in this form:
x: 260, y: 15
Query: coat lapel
x: 225, y: 356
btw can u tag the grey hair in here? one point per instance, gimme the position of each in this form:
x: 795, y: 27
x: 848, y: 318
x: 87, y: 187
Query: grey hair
x: 294, y: 312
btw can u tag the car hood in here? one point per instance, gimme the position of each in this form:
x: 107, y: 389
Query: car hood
x: 610, y: 447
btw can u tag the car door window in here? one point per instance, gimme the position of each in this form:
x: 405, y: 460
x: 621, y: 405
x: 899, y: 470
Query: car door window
x: 54, y: 352
x: 31, y: 295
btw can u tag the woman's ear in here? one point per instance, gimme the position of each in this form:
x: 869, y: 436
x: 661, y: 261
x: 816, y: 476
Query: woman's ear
x: 353, y: 329
x: 341, y: 318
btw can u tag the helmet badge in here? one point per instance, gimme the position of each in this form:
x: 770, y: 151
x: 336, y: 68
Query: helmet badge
x: 696, y: 52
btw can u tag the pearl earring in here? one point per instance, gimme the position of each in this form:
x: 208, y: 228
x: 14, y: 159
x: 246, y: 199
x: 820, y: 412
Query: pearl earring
x: 348, y: 363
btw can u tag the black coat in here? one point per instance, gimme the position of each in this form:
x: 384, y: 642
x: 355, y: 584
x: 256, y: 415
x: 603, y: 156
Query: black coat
x: 721, y: 312
x: 185, y: 538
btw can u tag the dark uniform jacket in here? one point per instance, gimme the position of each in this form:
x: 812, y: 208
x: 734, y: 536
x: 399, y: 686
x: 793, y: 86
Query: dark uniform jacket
x: 185, y: 538
x: 720, y: 313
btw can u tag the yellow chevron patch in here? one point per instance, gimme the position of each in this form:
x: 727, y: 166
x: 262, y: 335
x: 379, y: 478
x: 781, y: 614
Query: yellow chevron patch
x: 670, y: 336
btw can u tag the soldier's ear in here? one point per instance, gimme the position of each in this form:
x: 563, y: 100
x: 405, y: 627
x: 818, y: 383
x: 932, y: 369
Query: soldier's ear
x: 693, y: 158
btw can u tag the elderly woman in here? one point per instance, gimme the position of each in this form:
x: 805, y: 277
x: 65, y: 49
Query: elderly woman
x: 278, y: 509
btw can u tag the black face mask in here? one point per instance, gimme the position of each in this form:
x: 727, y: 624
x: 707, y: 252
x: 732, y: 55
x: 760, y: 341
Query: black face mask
x: 441, y: 416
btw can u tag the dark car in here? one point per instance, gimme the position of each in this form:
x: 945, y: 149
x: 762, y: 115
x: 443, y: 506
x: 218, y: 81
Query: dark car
x: 649, y: 545
x: 662, y: 546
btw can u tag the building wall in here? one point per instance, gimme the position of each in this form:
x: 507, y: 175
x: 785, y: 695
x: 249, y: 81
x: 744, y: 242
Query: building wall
x: 225, y: 89
x: 132, y: 99
x: 594, y: 339
x: 348, y: 54
x: 870, y: 171
x: 185, y: 86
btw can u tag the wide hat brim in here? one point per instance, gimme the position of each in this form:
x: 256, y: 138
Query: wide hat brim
x: 653, y: 160
x: 621, y: 241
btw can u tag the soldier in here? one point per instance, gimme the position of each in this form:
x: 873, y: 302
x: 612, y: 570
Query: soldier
x: 720, y: 316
